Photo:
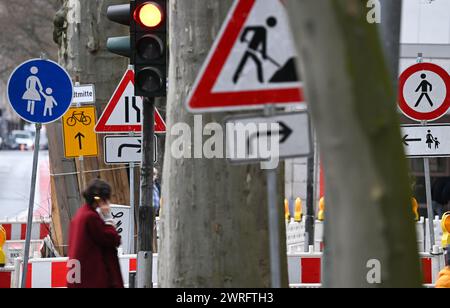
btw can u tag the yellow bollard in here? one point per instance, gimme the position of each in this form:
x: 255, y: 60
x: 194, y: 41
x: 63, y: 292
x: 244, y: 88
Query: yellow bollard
x: 298, y: 210
x: 2, y: 242
x: 287, y: 214
x: 415, y: 208
x: 321, y: 214
x: 445, y: 224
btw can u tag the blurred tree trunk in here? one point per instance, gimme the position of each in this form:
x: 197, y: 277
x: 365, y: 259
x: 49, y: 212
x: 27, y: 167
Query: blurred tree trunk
x: 81, y: 30
x: 214, y: 216
x: 351, y: 98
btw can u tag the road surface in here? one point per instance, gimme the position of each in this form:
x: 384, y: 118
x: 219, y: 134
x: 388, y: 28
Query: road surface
x: 15, y: 181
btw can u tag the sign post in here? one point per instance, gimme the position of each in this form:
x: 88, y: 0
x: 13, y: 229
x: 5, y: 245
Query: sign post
x: 40, y: 91
x: 424, y: 95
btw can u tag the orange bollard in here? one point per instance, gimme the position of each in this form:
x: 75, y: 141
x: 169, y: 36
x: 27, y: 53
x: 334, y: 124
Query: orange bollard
x: 298, y: 211
x: 321, y: 214
x: 415, y: 208
x: 287, y: 214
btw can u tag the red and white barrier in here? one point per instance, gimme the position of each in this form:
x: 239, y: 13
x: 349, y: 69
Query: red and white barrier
x: 52, y: 273
x: 16, y: 231
x: 6, y: 277
x: 305, y: 268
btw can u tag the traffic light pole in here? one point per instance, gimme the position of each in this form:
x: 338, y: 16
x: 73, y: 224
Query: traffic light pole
x: 146, y: 215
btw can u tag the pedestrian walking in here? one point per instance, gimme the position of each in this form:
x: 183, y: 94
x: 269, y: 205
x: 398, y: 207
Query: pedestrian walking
x: 93, y: 240
x: 444, y: 276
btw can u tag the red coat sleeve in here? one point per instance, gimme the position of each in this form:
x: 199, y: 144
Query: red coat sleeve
x: 102, y: 234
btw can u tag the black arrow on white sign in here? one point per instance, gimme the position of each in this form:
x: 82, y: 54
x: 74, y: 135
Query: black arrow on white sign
x: 285, y: 132
x: 130, y: 146
x: 406, y: 141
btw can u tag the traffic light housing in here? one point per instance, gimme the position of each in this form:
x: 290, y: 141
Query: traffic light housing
x: 149, y: 47
x: 121, y: 14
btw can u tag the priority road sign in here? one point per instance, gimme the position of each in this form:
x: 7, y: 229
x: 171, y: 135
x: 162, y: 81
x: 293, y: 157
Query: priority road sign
x: 252, y: 63
x: 424, y: 92
x: 126, y: 149
x: 40, y: 91
x: 80, y: 138
x: 426, y: 141
x: 250, y: 138
x: 123, y: 114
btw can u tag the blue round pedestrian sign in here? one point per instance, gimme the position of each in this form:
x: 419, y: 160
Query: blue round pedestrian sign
x: 40, y: 91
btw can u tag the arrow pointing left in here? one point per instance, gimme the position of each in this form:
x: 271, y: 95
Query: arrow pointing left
x: 80, y: 138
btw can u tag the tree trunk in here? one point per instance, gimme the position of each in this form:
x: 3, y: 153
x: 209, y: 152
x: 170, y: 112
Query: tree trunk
x: 351, y: 99
x: 214, y: 216
x: 81, y: 29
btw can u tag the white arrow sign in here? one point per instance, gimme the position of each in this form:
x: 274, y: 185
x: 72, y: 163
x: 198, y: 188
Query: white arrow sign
x: 426, y: 141
x: 258, y: 138
x: 125, y: 150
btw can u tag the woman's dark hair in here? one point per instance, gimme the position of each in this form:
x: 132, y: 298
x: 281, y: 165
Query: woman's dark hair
x: 97, y: 188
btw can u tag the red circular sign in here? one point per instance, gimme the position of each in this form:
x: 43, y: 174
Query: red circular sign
x: 414, y: 113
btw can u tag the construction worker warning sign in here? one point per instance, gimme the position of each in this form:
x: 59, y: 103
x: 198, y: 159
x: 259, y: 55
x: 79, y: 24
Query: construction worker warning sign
x: 252, y: 63
x: 424, y: 92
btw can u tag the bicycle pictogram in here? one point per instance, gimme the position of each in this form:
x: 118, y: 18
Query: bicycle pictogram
x: 79, y: 117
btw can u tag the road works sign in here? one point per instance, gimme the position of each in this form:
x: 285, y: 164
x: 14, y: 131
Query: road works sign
x: 426, y: 141
x: 424, y: 92
x: 251, y: 64
x: 250, y: 138
x: 123, y: 114
x: 40, y: 91
x: 80, y: 138
x: 126, y: 150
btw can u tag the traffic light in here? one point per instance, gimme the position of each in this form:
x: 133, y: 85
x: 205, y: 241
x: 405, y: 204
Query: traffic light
x: 121, y: 14
x: 149, y: 47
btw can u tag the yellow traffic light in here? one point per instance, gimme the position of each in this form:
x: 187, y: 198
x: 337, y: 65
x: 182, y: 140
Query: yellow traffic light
x: 149, y: 15
x: 415, y: 208
x: 287, y: 214
x: 298, y: 210
x: 2, y: 242
x: 445, y: 224
x: 321, y: 215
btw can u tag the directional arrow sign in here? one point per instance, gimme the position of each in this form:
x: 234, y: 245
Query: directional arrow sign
x: 252, y: 138
x: 125, y: 150
x: 426, y: 141
x: 80, y: 138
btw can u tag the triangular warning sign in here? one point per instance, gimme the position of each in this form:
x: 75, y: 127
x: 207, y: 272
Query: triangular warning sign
x: 252, y: 63
x: 123, y: 114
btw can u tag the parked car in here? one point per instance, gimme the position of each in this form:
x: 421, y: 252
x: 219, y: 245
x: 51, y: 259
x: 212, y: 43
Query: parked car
x: 20, y: 139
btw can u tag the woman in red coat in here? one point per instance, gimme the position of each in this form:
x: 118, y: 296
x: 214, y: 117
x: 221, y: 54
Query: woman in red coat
x: 93, y: 242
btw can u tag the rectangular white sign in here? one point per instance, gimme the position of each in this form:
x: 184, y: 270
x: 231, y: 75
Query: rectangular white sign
x: 426, y: 141
x: 121, y: 217
x: 252, y: 138
x: 84, y: 94
x: 125, y: 150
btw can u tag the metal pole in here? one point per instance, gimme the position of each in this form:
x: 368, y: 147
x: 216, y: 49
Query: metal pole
x: 426, y: 162
x: 274, y: 228
x: 31, y: 205
x: 309, y: 217
x: 82, y: 177
x: 146, y: 215
x: 132, y: 210
x: 274, y: 219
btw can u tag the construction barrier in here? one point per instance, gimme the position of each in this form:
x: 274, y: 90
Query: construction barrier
x: 305, y: 270
x: 15, y: 250
x: 6, y: 277
x: 52, y: 272
x: 16, y: 231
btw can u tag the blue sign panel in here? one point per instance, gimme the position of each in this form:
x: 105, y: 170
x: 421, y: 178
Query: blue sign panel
x: 40, y: 91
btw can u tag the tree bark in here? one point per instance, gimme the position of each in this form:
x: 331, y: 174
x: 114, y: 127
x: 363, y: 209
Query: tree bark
x: 81, y: 29
x: 214, y: 216
x: 351, y: 99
